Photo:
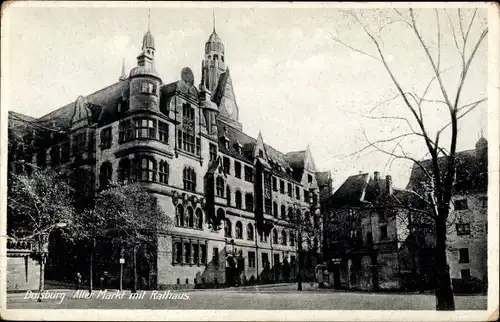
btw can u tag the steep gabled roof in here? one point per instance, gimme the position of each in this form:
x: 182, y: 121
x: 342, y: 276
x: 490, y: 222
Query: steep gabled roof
x: 472, y: 171
x: 351, y: 192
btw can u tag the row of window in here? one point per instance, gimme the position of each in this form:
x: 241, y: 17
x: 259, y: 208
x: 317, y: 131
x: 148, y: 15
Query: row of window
x: 61, y: 153
x: 143, y: 168
x: 189, y: 252
x: 189, y: 218
x: 263, y: 237
x: 136, y: 128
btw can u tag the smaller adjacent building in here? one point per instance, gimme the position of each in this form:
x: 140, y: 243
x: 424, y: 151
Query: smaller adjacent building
x: 468, y: 219
x: 379, y: 237
x: 366, y: 231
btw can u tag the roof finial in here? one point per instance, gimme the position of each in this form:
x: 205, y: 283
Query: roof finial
x: 149, y: 19
x: 213, y: 14
x: 123, y: 76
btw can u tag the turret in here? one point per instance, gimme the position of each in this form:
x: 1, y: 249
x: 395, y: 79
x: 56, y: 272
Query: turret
x: 144, y: 79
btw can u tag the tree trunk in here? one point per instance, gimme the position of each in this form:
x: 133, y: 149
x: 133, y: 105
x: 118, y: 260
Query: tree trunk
x: 299, y: 266
x: 91, y: 266
x: 134, y: 265
x: 42, y: 278
x: 444, y: 292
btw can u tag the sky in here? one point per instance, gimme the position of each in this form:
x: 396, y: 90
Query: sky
x: 292, y: 81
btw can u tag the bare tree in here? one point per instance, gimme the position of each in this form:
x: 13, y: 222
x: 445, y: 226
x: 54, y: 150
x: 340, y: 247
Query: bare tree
x: 374, y: 24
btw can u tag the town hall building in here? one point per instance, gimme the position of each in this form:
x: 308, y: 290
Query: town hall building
x: 231, y: 196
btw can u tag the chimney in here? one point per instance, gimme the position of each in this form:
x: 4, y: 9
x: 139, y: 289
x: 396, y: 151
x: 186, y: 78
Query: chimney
x: 388, y: 184
x: 376, y: 178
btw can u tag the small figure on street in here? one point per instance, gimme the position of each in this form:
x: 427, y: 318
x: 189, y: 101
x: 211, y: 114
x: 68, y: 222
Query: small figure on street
x: 101, y: 280
x: 78, y: 280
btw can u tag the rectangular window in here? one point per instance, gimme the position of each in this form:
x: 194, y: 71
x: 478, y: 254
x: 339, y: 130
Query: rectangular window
x: 383, y: 232
x: 282, y: 187
x: 309, y: 178
x: 106, y: 138
x: 248, y: 174
x: 265, y: 260
x: 219, y: 187
x: 268, y: 206
x: 196, y: 253
x: 163, y: 132
x: 216, y: 256
x: 460, y: 204
x: 145, y: 128
x: 463, y: 255
x: 188, y: 144
x: 463, y: 229
x: 297, y: 193
x: 203, y: 251
x: 465, y: 273
x: 275, y: 184
x: 187, y: 252
x: 290, y: 191
x: 65, y: 152
x: 226, y: 165
x: 213, y: 152
x: 178, y: 252
x: 187, y: 111
x: 237, y: 169
x: 198, y: 146
x: 251, y: 259
x: 125, y: 131
x: 148, y: 88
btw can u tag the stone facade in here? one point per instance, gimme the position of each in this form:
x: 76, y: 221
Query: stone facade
x: 229, y: 195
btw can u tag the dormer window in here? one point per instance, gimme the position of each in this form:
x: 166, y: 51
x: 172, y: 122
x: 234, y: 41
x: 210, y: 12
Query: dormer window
x: 225, y: 141
x: 261, y: 154
x: 237, y: 147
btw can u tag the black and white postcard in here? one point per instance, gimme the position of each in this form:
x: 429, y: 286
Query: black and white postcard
x: 249, y: 161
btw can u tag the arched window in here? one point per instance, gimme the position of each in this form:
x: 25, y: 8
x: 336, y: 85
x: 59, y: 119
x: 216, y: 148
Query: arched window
x: 147, y: 169
x: 105, y: 174
x: 222, y: 57
x: 283, y: 237
x: 189, y: 178
x: 227, y: 228
x: 237, y: 198
x: 219, y: 187
x: 275, y: 210
x: 163, y: 172
x: 179, y: 216
x: 239, y: 230
x: 290, y: 213
x: 275, y: 237
x: 283, y: 212
x: 124, y: 170
x: 199, y: 219
x: 216, y: 57
x: 292, y: 239
x: 228, y: 195
x: 249, y: 202
x: 190, y: 217
x: 250, y: 232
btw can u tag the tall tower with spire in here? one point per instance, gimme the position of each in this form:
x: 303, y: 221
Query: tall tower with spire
x: 213, y: 64
x: 144, y: 79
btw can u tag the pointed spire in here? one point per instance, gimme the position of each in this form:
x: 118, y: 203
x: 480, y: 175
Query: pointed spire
x: 123, y: 76
x: 149, y: 19
x: 213, y: 15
